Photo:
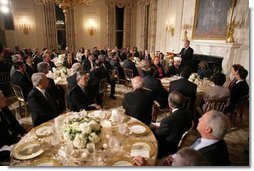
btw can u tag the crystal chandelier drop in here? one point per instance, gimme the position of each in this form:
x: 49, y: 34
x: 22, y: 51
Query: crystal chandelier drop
x: 66, y: 5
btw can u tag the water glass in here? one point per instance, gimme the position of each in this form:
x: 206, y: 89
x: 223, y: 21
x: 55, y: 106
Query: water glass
x: 91, y: 149
x: 112, y: 142
x: 122, y: 128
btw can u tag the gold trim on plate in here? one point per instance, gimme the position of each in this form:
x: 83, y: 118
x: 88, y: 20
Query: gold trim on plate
x: 41, y: 126
x: 140, y: 124
x: 42, y: 160
x: 24, y: 152
x: 114, y: 160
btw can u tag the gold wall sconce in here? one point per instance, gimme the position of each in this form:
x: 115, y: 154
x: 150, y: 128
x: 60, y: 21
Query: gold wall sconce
x: 91, y: 27
x: 25, y: 28
x: 170, y: 29
x: 185, y: 27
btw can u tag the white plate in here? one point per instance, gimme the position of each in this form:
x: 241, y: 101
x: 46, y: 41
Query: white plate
x: 44, y: 130
x: 137, y: 129
x: 28, y: 150
x: 122, y: 163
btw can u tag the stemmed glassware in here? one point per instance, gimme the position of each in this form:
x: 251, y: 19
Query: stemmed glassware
x: 91, y: 149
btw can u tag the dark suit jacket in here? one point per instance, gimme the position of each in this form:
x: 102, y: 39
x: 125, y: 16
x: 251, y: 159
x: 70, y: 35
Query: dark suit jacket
x: 238, y: 90
x: 23, y: 81
x: 67, y: 65
x: 143, y: 57
x: 138, y: 104
x: 30, y: 70
x: 216, y: 154
x: 186, y: 87
x: 42, y: 109
x: 87, y: 65
x: 131, y: 65
x: 187, y: 57
x: 36, y: 60
x: 80, y: 100
x: 10, y: 128
x: 72, y: 81
x: 172, y: 70
x: 171, y: 130
x: 159, y: 92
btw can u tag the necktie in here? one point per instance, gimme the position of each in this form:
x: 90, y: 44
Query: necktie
x: 196, y: 143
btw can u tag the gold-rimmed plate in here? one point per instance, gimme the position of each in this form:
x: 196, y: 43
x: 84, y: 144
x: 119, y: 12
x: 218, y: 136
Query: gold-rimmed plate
x: 44, y: 130
x: 28, y: 150
x: 142, y: 145
x: 45, y: 161
x: 138, y: 128
x: 119, y: 161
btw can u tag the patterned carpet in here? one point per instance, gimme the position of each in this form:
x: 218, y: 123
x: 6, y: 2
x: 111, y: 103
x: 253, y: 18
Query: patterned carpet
x: 237, y: 140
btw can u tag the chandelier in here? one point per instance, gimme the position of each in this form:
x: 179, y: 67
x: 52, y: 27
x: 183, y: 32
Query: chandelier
x: 66, y: 5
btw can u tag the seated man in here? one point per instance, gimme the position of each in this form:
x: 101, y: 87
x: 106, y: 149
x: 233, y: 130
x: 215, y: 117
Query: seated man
x: 173, y: 126
x: 138, y: 103
x: 160, y: 93
x: 72, y: 79
x: 128, y: 63
x: 43, y: 107
x: 175, y: 68
x: 212, y: 126
x: 10, y: 129
x: 20, y: 78
x: 79, y: 95
x: 184, y: 86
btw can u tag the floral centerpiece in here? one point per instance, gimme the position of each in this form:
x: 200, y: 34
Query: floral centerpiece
x: 136, y: 61
x: 60, y: 70
x: 194, y: 77
x: 82, y: 130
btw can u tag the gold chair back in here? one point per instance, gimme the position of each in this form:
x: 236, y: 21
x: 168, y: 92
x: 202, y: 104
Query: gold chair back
x: 184, y: 136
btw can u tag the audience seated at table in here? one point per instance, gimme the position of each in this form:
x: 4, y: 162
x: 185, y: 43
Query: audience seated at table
x: 15, y: 58
x: 159, y: 72
x: 46, y: 58
x: 128, y: 63
x: 56, y: 93
x: 138, y: 103
x: 143, y: 68
x: 240, y: 89
x: 80, y: 96
x: 160, y: 93
x: 204, y: 70
x: 173, y: 126
x: 10, y: 130
x: 184, y: 86
x: 69, y: 61
x: 184, y: 157
x: 21, y: 79
x: 71, y: 80
x: 43, y: 107
x: 175, y: 68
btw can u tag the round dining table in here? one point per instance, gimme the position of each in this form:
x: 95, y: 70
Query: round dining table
x: 45, y: 146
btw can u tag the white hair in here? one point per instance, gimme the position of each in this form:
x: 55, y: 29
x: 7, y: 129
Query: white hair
x: 37, y: 77
x: 219, y: 123
x: 76, y: 67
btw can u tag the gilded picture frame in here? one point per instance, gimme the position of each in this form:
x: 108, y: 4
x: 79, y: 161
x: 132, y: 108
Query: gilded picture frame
x: 210, y: 20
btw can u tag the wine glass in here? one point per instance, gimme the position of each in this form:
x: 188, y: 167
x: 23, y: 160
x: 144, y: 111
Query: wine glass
x: 122, y: 128
x: 68, y: 149
x: 119, y: 118
x: 112, y: 142
x: 91, y: 149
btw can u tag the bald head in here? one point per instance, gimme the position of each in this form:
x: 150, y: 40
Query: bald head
x: 137, y: 82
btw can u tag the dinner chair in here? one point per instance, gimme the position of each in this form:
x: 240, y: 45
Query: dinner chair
x: 128, y: 77
x: 19, y: 94
x: 103, y: 87
x: 218, y: 105
x: 239, y: 107
x: 182, y: 142
x: 155, y: 111
x: 5, y: 83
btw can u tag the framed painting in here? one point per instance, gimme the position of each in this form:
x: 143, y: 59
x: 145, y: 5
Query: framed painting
x: 210, y: 20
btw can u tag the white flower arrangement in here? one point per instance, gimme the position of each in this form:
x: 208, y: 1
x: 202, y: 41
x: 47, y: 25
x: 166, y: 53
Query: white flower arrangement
x: 194, y: 77
x: 82, y: 130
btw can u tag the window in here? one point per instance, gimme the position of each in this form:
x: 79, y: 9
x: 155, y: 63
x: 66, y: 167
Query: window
x: 60, y: 27
x: 119, y: 27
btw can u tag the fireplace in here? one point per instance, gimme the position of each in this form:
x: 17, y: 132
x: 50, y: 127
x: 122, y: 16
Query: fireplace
x: 215, y: 62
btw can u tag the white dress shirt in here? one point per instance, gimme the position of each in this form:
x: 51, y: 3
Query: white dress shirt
x: 202, y: 142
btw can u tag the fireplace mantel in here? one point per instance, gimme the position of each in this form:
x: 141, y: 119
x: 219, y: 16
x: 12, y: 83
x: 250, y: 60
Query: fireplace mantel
x: 219, y: 49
